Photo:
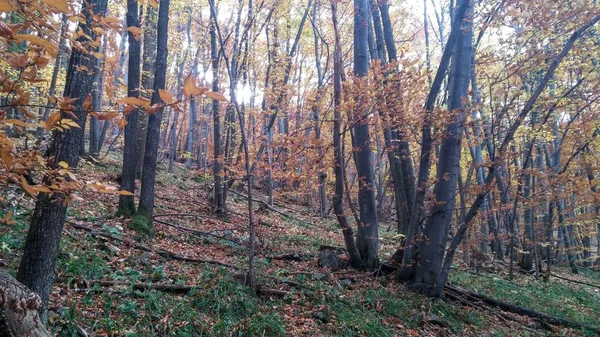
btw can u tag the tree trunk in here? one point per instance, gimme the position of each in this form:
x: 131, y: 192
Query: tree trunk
x: 127, y: 202
x: 338, y: 199
x: 147, y: 79
x: 367, y: 239
x: 57, y: 65
x: 146, y: 206
x: 437, y: 227
x: 36, y: 270
x: 217, y: 157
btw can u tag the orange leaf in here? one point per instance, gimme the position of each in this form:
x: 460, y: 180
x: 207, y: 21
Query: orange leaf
x: 6, y: 6
x: 216, y: 96
x: 123, y: 192
x: 165, y: 95
x: 135, y: 31
x: 121, y: 123
x: 190, y: 86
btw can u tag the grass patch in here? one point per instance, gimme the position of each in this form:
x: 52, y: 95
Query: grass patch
x: 552, y: 297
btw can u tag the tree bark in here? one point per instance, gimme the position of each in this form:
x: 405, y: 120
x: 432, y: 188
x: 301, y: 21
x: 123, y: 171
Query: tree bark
x: 127, y: 202
x: 19, y: 306
x: 147, y: 79
x: 338, y: 199
x: 367, y: 239
x: 36, y: 270
x: 146, y: 205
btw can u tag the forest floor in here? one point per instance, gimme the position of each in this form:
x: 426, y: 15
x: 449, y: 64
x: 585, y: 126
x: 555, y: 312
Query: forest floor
x: 206, y: 296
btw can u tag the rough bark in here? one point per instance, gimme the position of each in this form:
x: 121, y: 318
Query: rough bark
x: 36, y: 270
x: 19, y: 316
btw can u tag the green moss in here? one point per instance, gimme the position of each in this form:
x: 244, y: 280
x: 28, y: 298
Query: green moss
x: 142, y: 224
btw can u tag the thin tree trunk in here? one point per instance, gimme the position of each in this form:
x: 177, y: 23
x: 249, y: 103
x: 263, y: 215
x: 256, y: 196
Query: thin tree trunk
x: 147, y: 78
x: 127, y: 202
x: 146, y: 205
x: 338, y: 199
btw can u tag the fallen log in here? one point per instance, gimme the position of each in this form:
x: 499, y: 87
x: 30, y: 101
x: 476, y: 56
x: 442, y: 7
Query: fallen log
x: 521, y: 310
x: 19, y: 315
x: 575, y: 281
x: 195, y: 232
x: 162, y: 252
x: 169, y: 288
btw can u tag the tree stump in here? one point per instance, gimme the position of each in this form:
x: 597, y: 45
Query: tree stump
x: 19, y: 316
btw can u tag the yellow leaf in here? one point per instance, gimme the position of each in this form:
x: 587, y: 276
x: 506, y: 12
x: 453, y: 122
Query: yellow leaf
x: 63, y: 164
x: 216, y: 96
x: 63, y: 5
x: 123, y: 192
x: 135, y: 31
x: 165, y: 95
x: 190, y: 86
x: 50, y: 48
x: 18, y: 123
x: 153, y: 3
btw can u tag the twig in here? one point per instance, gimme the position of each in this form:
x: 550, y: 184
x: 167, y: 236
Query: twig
x: 162, y: 252
x: 193, y: 231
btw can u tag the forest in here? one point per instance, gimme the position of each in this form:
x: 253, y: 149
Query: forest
x: 299, y: 168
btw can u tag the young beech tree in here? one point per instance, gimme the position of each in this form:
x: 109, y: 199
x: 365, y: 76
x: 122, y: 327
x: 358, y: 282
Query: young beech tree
x: 143, y: 219
x: 36, y: 270
x: 367, y: 238
x: 126, y: 201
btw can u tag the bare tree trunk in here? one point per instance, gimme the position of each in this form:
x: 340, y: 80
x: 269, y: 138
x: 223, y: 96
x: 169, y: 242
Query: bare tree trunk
x: 367, y: 238
x: 217, y: 157
x: 338, y: 199
x: 147, y: 79
x: 36, y: 270
x: 437, y: 226
x: 127, y: 202
x: 146, y: 205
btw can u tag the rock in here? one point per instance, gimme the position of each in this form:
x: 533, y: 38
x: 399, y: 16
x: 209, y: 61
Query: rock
x: 319, y: 276
x: 329, y: 258
x: 321, y: 316
x: 435, y: 320
x: 346, y: 282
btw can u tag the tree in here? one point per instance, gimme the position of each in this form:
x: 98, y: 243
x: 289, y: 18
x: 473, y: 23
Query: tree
x: 143, y: 219
x: 126, y: 201
x: 36, y: 270
x: 437, y: 226
x: 367, y: 239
